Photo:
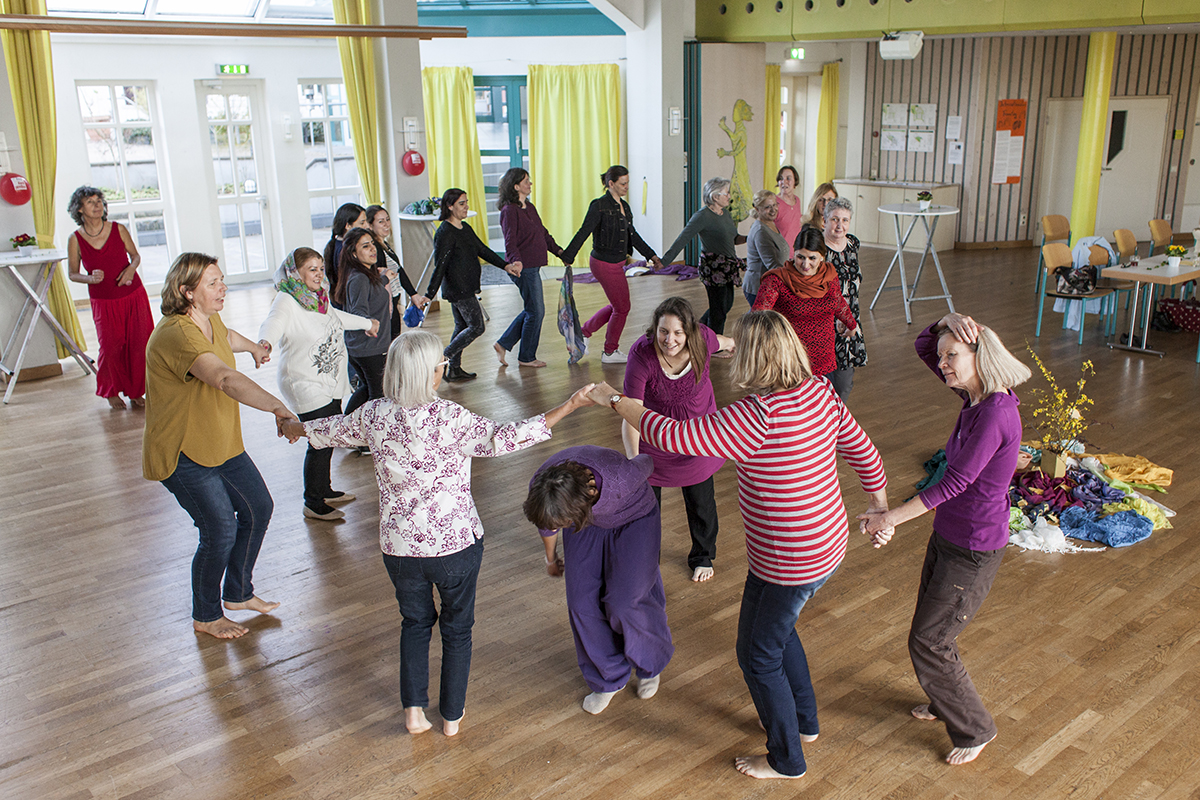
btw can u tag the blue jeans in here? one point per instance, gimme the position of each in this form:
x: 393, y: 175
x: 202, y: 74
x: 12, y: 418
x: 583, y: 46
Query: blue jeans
x: 776, y: 669
x: 455, y: 577
x: 231, y: 507
x: 527, y: 327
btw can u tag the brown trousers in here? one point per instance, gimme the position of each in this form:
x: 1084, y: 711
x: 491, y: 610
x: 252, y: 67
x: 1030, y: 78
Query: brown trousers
x: 954, y: 583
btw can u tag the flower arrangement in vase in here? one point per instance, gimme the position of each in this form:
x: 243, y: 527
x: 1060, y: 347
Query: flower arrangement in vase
x: 1058, y: 415
x: 1175, y: 254
x: 924, y: 198
x: 24, y: 244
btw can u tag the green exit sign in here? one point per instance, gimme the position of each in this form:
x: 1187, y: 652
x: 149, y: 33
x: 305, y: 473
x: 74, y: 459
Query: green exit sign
x: 233, y: 69
x: 796, y: 53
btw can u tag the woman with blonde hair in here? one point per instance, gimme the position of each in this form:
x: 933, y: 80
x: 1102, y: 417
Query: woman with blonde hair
x: 785, y: 436
x: 970, y: 527
x: 429, y: 529
x: 193, y: 439
x: 766, y: 249
x: 815, y: 216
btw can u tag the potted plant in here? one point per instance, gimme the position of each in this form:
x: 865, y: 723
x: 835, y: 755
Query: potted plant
x: 1058, y: 416
x: 1175, y: 255
x: 24, y: 244
x: 924, y: 198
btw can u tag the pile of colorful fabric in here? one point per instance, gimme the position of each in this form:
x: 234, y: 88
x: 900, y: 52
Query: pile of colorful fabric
x: 1100, y: 499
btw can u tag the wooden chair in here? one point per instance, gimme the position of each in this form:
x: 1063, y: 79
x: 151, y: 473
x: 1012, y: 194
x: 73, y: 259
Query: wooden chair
x: 1057, y: 254
x: 1160, y: 235
x: 1098, y: 257
x: 1126, y: 243
x: 1055, y: 228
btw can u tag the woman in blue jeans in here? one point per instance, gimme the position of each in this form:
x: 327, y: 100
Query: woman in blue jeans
x: 429, y: 530
x: 193, y: 440
x: 526, y: 241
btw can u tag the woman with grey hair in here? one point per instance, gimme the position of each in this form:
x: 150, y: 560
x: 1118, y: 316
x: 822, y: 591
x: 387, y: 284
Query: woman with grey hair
x: 429, y: 530
x: 766, y: 249
x: 102, y: 255
x: 720, y: 268
x: 842, y: 252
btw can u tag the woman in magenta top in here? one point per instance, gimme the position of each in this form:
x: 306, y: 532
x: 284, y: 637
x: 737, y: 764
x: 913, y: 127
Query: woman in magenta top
x: 970, y: 527
x: 807, y: 293
x: 668, y: 371
x: 102, y: 255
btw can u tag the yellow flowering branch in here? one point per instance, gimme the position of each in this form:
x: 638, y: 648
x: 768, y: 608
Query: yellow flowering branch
x: 1056, y: 413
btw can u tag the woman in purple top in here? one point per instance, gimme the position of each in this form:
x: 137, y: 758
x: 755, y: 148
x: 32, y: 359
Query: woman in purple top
x: 527, y: 241
x: 668, y: 371
x: 611, y: 540
x: 970, y: 528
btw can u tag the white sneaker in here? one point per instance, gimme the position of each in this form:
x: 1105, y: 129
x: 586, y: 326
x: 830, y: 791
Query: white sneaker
x: 615, y: 357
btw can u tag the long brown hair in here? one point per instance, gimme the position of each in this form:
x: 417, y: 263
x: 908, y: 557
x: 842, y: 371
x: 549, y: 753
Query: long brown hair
x: 349, y: 263
x: 696, y: 346
x: 813, y: 217
x: 561, y: 496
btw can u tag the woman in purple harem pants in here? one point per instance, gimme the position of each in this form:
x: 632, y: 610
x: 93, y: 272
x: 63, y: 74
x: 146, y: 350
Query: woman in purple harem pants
x: 609, y: 517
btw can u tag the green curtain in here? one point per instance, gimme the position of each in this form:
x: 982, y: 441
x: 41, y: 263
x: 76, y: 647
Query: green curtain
x: 771, y: 126
x: 358, y: 71
x: 31, y: 79
x: 827, y: 124
x: 453, y: 139
x: 574, y: 136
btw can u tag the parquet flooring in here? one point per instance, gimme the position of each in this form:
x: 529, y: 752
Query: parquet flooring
x: 1088, y: 661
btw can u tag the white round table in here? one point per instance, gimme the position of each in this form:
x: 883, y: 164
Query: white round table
x: 929, y: 219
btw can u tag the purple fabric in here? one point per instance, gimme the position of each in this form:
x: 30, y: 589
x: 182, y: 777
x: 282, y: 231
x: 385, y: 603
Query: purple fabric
x: 981, y: 457
x: 1037, y: 488
x: 1092, y: 491
x: 682, y: 272
x: 682, y: 398
x: 525, y: 237
x: 615, y: 598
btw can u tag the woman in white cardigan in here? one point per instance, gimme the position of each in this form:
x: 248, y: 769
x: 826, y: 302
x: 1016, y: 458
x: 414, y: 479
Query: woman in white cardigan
x: 312, y: 362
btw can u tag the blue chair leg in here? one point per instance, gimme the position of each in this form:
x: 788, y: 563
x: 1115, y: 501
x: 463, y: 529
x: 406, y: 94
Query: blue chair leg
x: 1041, y: 307
x: 1082, y: 317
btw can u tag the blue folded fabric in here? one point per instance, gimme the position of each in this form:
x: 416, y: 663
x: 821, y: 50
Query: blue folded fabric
x: 413, y: 317
x: 1116, y: 530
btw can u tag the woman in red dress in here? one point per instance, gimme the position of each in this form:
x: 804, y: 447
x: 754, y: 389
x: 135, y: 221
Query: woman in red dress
x: 120, y: 307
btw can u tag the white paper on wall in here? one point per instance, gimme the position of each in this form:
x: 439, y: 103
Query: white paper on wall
x: 895, y: 115
x: 954, y: 155
x: 920, y: 141
x: 1000, y: 158
x: 954, y: 128
x: 922, y: 115
x: 896, y: 140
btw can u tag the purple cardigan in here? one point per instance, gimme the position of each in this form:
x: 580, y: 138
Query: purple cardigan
x: 525, y: 237
x: 981, y: 457
x: 624, y: 493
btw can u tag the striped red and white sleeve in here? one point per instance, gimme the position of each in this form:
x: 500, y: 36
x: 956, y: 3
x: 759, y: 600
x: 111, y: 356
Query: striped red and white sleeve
x: 859, y: 452
x: 735, y: 432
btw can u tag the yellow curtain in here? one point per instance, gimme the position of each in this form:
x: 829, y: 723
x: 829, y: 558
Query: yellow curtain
x: 358, y: 71
x: 827, y: 124
x: 574, y: 136
x: 772, y: 123
x: 453, y: 139
x: 31, y: 79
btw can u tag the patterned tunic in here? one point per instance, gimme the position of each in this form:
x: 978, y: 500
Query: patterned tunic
x: 422, y: 461
x: 811, y: 318
x: 851, y: 352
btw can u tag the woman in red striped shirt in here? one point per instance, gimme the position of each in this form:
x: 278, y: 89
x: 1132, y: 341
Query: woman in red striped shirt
x: 785, y: 437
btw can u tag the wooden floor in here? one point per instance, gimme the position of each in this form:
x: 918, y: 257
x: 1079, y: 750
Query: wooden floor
x: 1090, y: 662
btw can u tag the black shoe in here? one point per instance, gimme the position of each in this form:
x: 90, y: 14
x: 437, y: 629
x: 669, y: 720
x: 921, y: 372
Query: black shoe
x: 456, y: 374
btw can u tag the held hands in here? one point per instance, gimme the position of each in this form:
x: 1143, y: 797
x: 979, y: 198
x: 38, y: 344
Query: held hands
x: 584, y: 396
x: 513, y: 269
x: 261, y: 352
x: 288, y: 427
x: 962, y: 326
x: 874, y: 522
x: 656, y: 261
x: 600, y: 393
x: 373, y: 331
x: 420, y: 301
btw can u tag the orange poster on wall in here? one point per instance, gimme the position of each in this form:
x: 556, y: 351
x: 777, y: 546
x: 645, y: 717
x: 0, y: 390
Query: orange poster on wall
x: 1009, y: 150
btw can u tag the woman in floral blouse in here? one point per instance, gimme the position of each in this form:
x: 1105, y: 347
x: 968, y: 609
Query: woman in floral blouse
x: 429, y: 530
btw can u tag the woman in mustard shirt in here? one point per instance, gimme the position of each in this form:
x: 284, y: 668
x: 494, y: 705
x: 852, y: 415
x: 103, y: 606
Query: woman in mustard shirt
x: 193, y: 439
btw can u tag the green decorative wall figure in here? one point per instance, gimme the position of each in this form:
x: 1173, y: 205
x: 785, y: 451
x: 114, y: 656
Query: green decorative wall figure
x: 741, y: 193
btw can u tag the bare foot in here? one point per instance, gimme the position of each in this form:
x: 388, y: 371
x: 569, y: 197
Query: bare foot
x: 138, y: 402
x: 536, y: 363
x: 922, y: 712
x: 450, y: 727
x: 500, y: 354
x: 961, y: 755
x: 757, y: 767
x: 223, y: 628
x: 116, y: 403
x: 253, y: 604
x: 701, y: 574
x: 416, y: 721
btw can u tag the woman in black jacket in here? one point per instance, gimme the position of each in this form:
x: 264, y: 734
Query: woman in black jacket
x: 609, y: 222
x: 456, y: 254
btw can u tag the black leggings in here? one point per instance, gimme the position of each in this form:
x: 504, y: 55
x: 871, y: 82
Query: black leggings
x: 370, y: 369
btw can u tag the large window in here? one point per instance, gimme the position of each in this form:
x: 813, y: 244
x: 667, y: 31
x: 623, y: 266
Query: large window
x: 328, y: 154
x: 502, y: 117
x: 120, y: 132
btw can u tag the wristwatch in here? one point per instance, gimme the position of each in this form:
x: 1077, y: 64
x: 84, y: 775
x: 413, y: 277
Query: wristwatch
x: 616, y: 398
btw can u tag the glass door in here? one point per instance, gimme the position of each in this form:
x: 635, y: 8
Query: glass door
x: 233, y: 135
x: 502, y: 120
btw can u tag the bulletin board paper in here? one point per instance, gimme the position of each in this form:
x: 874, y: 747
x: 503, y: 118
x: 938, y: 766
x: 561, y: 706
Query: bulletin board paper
x: 895, y: 140
x: 1011, y: 116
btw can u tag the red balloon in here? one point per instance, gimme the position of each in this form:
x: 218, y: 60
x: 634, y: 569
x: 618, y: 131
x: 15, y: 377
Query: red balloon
x: 15, y: 189
x: 413, y: 162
